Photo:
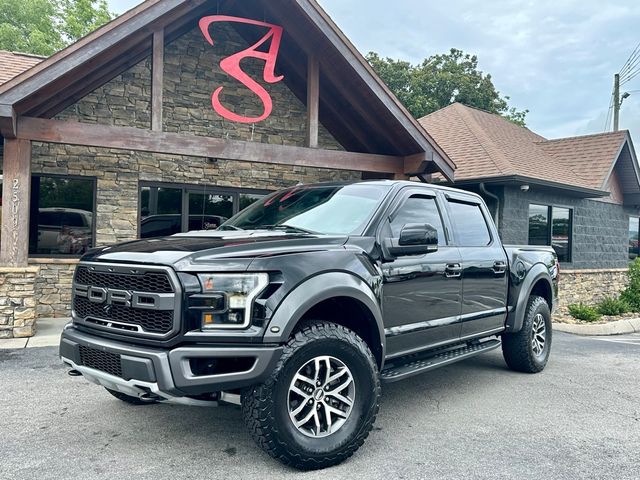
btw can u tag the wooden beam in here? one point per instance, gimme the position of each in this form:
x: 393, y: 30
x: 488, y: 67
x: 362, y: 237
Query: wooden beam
x: 136, y: 139
x: 157, y: 74
x: 8, y: 124
x: 313, y: 100
x: 16, y: 194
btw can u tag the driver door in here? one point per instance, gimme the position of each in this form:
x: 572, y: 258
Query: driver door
x: 422, y: 294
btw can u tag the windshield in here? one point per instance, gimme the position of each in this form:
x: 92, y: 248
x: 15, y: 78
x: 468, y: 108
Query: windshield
x: 325, y: 209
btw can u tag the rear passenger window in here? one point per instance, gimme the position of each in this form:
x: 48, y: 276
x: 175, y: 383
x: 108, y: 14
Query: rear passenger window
x: 470, y: 226
x: 418, y: 209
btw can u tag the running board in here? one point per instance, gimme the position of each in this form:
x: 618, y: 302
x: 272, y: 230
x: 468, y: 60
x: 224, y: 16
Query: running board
x: 405, y: 367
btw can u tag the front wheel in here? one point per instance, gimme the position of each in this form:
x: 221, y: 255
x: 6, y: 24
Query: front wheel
x: 320, y: 403
x: 528, y: 350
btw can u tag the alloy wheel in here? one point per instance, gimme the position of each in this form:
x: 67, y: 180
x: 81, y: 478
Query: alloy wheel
x: 321, y: 396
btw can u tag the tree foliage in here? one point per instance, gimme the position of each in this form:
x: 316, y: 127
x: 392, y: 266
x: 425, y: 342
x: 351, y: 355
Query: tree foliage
x: 441, y: 80
x: 42, y: 27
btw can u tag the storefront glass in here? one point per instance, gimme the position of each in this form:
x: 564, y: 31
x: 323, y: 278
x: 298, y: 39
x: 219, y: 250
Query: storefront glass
x: 62, y: 215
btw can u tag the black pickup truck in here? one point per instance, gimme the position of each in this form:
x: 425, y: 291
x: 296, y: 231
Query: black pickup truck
x: 301, y: 305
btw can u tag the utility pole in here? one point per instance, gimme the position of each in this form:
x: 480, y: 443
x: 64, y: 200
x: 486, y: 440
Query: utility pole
x: 616, y: 102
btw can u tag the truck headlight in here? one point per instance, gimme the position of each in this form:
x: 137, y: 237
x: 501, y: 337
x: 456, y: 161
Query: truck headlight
x: 232, y: 296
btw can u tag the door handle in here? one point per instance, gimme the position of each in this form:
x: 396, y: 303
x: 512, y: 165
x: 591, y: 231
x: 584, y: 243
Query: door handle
x: 499, y: 267
x: 453, y: 270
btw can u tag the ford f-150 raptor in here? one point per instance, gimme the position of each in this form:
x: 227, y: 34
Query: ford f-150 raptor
x: 301, y: 305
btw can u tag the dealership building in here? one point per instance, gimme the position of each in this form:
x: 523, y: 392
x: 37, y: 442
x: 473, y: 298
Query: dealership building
x: 173, y: 117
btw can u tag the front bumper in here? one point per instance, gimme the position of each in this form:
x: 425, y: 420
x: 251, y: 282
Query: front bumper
x: 140, y: 371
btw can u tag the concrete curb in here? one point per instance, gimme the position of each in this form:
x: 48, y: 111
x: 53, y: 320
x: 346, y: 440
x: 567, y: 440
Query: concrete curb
x: 619, y: 327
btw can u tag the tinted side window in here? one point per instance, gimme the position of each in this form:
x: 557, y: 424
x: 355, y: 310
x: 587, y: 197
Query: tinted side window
x: 418, y: 209
x: 470, y: 225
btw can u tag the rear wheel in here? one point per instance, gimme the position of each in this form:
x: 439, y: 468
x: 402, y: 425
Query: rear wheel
x: 528, y: 350
x: 128, y: 398
x: 321, y: 401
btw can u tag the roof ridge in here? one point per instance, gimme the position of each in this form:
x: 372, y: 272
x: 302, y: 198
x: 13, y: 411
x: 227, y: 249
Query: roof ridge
x: 589, y: 135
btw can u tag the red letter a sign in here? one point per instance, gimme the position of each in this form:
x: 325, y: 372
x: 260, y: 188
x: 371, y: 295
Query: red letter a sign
x: 231, y: 66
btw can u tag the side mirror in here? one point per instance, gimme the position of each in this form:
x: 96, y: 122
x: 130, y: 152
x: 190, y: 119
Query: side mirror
x: 415, y: 239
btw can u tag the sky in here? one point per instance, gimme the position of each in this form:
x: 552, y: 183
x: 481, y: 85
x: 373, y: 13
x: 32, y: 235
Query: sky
x: 555, y: 58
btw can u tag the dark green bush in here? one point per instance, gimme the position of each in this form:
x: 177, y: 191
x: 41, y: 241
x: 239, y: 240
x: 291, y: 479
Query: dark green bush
x: 631, y: 295
x: 612, y: 306
x: 583, y: 312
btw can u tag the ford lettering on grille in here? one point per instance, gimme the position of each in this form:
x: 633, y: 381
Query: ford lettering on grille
x: 145, y: 306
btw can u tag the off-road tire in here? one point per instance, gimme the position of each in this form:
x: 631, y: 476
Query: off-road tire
x: 129, y: 399
x: 517, y: 347
x: 266, y: 411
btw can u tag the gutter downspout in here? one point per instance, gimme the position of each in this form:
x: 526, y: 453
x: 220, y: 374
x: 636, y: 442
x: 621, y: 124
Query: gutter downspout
x: 493, y: 196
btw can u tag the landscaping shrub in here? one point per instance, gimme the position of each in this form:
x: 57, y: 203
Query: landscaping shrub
x: 631, y: 295
x: 612, y: 306
x: 583, y: 312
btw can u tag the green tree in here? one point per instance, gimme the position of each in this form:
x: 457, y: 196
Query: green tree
x: 441, y: 80
x: 42, y: 27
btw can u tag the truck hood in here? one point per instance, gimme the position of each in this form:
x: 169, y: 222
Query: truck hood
x: 227, y: 250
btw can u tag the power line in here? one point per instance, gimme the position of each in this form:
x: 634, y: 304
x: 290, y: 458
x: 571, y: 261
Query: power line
x: 634, y: 54
x: 632, y: 67
x: 629, y: 77
x: 608, y: 118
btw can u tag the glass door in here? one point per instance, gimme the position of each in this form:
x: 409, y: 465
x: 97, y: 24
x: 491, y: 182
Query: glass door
x: 207, y: 211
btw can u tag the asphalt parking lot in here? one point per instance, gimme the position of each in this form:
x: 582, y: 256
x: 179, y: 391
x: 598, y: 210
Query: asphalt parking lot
x: 580, y: 418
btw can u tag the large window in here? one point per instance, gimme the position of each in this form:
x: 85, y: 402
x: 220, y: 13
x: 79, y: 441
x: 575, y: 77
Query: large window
x: 634, y: 233
x: 169, y: 209
x: 62, y: 215
x: 551, y: 226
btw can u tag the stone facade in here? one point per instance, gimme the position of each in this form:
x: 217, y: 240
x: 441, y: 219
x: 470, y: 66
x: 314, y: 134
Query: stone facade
x: 192, y: 74
x: 589, y: 286
x: 17, y: 301
x: 53, y: 288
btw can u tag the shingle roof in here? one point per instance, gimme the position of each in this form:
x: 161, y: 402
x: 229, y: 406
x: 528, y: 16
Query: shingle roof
x: 485, y: 145
x: 590, y: 155
x: 13, y: 64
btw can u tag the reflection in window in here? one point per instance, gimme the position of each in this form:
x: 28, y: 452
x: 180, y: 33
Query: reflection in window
x: 61, y: 219
x: 246, y: 199
x: 208, y: 211
x: 538, y: 225
x: 160, y: 211
x: 166, y: 210
x: 418, y: 209
x: 551, y: 226
x: 634, y: 230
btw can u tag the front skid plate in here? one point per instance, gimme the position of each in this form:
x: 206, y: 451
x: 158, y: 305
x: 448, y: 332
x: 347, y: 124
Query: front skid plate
x: 140, y: 389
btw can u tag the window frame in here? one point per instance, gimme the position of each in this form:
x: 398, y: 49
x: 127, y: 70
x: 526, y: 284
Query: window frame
x: 550, y: 208
x: 430, y: 194
x: 637, y: 217
x: 94, y: 212
x: 449, y: 198
x: 187, y: 188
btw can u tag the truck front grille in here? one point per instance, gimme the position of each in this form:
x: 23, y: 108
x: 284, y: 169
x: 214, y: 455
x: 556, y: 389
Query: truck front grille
x: 104, y: 361
x: 130, y: 300
x: 154, y: 321
x: 149, y: 282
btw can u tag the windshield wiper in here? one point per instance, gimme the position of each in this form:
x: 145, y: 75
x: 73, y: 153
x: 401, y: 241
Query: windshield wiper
x: 289, y: 228
x: 229, y: 227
